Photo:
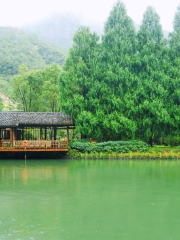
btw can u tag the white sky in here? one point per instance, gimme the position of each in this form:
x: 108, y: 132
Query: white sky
x: 23, y: 12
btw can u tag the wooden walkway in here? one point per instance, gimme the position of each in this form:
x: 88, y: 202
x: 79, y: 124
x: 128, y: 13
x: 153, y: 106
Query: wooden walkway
x: 33, y: 146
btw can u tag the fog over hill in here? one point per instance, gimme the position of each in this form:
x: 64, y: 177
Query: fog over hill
x: 25, y: 46
x: 18, y: 47
x: 60, y: 28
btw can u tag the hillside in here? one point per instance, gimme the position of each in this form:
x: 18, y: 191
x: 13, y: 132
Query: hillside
x: 18, y: 47
x: 60, y: 28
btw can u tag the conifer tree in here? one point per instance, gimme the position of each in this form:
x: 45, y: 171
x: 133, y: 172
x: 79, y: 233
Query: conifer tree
x: 118, y: 49
x: 174, y: 73
x: 151, y: 64
x: 78, y: 83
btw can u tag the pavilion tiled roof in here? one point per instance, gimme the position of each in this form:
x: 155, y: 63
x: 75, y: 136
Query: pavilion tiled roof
x: 15, y: 119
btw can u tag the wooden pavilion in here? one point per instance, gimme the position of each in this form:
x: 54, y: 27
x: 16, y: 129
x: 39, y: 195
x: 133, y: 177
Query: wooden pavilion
x: 34, y: 131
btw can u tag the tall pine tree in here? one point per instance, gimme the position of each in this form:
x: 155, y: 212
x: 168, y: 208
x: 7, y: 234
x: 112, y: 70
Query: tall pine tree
x: 151, y: 66
x: 118, y: 49
x: 78, y: 83
x: 174, y: 73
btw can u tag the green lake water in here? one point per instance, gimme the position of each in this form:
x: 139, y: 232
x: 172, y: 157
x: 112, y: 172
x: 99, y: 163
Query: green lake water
x: 89, y: 200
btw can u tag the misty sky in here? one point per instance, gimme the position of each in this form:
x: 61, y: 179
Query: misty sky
x: 23, y: 12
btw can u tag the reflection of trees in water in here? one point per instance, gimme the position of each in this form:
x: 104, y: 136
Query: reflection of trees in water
x: 42, y: 174
x: 15, y: 176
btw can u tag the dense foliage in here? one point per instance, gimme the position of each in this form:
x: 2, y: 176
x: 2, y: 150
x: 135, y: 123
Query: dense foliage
x: 37, y: 90
x: 111, y: 146
x: 17, y: 48
x: 1, y: 104
x: 126, y: 86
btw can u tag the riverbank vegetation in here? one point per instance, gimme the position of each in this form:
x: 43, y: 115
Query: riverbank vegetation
x: 110, y: 146
x: 155, y: 152
x: 84, y: 149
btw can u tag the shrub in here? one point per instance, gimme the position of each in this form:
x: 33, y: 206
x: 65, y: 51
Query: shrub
x: 172, y: 140
x: 111, y: 146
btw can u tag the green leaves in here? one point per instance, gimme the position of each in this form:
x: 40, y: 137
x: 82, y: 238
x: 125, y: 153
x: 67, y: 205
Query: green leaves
x: 37, y: 90
x: 79, y: 85
x: 1, y: 104
x: 17, y: 48
x: 176, y: 22
x: 110, y: 146
x: 150, y: 30
x: 125, y: 86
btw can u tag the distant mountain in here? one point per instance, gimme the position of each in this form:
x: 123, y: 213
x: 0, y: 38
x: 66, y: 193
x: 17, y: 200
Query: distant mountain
x: 60, y: 28
x: 18, y: 47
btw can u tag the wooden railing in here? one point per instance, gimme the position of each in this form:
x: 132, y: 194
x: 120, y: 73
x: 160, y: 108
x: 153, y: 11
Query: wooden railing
x: 33, y: 144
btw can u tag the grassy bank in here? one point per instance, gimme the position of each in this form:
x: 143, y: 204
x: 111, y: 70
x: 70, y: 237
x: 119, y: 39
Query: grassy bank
x: 156, y: 152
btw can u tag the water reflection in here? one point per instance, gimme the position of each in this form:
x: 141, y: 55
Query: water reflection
x: 25, y: 174
x: 89, y: 200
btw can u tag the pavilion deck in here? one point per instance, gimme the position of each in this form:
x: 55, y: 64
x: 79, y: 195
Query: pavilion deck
x: 33, y: 146
x: 34, y: 132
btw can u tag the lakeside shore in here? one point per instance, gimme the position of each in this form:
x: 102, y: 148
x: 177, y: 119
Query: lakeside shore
x: 157, y: 152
